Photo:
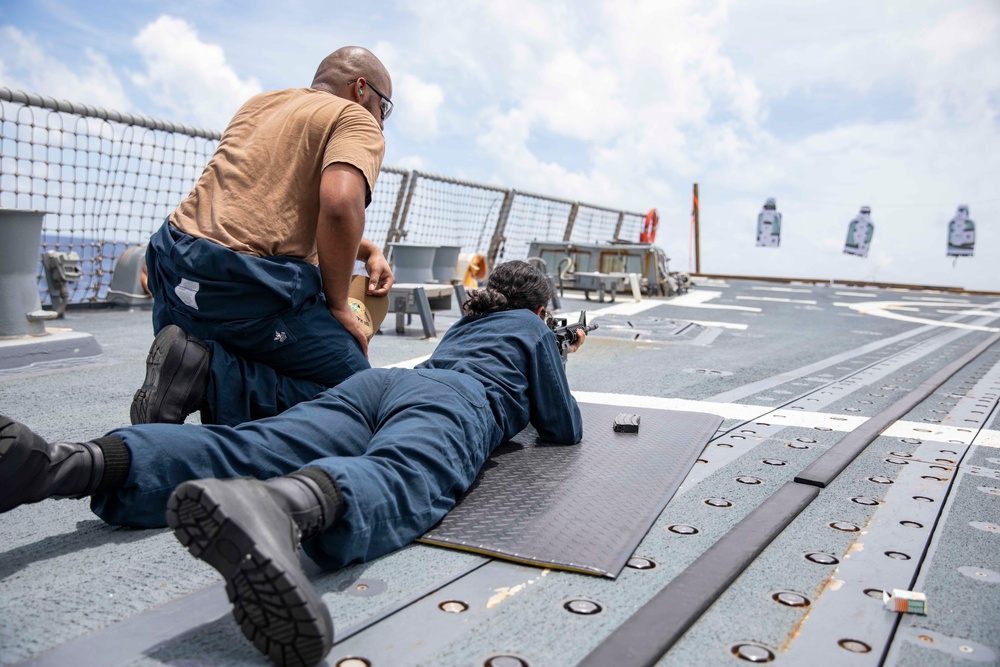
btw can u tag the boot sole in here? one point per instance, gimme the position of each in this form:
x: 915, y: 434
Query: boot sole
x: 275, y: 607
x: 168, y: 360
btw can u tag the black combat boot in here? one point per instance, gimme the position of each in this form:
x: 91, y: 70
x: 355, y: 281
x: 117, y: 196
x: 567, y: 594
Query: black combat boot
x: 250, y: 531
x: 176, y: 379
x: 32, y: 469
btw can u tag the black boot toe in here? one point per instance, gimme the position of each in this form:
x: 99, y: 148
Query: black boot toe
x: 176, y: 379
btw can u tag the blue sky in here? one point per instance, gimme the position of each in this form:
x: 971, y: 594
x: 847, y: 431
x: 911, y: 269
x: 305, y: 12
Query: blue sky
x: 626, y: 103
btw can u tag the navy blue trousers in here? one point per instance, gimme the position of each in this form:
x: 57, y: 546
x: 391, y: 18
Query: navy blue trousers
x: 273, y: 341
x: 402, y: 445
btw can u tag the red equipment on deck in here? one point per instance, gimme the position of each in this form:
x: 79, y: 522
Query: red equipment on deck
x: 648, y: 233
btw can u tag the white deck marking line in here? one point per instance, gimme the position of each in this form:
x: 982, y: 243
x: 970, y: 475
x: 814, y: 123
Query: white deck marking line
x: 909, y: 309
x: 724, y: 410
x: 933, y: 432
x: 698, y: 299
x: 859, y: 294
x: 409, y: 363
x: 623, y: 308
x: 936, y: 299
x: 635, y: 308
x: 783, y: 289
x: 980, y: 313
x: 881, y: 309
x: 987, y: 438
x: 721, y: 325
x: 785, y: 417
x: 776, y: 298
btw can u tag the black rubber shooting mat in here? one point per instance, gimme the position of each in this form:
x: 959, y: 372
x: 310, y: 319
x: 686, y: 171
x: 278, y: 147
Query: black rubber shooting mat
x: 585, y: 507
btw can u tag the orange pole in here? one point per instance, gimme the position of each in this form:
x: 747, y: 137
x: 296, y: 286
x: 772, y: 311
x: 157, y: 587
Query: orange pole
x: 695, y: 210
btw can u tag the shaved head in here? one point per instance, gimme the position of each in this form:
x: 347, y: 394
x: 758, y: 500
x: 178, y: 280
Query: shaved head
x: 347, y: 64
x: 345, y: 73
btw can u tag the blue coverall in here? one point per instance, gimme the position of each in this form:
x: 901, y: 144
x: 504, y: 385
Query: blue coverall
x: 273, y: 341
x: 402, y: 444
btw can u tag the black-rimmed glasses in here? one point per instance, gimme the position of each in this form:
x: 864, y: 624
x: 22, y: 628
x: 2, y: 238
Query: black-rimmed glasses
x: 385, y: 105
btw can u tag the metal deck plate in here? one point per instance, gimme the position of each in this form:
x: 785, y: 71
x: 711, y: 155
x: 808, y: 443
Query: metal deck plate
x: 794, y: 383
x: 582, y: 508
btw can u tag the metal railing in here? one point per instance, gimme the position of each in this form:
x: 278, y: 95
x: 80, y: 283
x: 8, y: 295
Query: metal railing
x: 108, y: 179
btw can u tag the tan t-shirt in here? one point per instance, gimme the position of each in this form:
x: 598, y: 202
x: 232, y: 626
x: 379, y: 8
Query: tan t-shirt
x: 259, y: 194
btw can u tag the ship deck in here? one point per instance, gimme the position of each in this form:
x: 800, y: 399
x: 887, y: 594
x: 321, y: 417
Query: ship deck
x: 792, y: 369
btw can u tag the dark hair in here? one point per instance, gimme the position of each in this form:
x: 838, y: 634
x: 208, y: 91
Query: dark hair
x: 513, y: 284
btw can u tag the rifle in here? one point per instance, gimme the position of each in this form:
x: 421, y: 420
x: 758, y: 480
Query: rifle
x: 566, y: 334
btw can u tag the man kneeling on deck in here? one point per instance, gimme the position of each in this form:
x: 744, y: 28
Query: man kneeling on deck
x: 361, y: 470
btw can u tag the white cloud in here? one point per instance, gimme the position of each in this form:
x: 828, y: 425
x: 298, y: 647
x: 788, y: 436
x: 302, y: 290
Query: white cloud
x: 507, y: 141
x: 853, y: 44
x: 187, y: 77
x: 24, y: 65
x: 418, y: 102
x: 643, y: 87
x: 658, y: 95
x: 419, y: 105
x: 627, y: 102
x: 968, y: 28
x: 410, y: 162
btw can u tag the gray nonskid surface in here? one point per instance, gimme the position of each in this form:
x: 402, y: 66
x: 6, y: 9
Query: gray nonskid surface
x: 65, y: 577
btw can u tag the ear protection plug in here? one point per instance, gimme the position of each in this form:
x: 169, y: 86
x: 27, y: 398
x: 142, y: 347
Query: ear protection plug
x: 361, y: 91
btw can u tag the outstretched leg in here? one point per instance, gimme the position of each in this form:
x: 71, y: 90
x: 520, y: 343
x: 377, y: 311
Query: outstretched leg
x: 165, y: 455
x: 404, y: 445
